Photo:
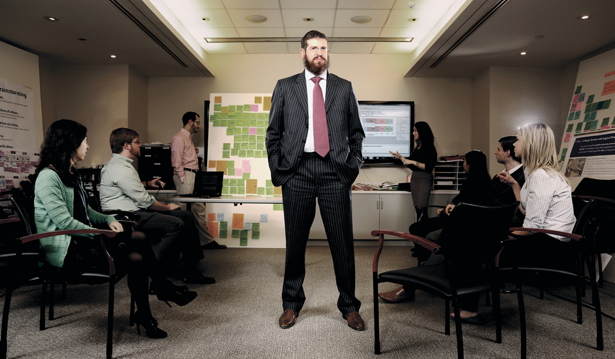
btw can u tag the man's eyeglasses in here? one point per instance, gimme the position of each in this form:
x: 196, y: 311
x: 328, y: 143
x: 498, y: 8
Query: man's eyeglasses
x: 316, y: 48
x: 137, y: 142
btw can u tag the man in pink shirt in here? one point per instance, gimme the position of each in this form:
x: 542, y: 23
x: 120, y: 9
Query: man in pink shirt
x: 185, y: 166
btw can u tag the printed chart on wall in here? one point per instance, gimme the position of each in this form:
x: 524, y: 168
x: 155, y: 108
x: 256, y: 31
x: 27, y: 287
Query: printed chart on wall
x: 236, y: 146
x: 18, y: 153
x: 588, y: 144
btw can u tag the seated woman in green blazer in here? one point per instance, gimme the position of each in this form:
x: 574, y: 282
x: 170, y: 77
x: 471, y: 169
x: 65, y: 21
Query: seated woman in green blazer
x: 60, y: 203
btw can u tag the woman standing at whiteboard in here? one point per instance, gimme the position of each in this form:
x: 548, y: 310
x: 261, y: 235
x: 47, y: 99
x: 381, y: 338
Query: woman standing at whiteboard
x: 422, y: 162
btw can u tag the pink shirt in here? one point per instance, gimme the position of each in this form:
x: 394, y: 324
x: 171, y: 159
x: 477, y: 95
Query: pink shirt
x: 183, y: 154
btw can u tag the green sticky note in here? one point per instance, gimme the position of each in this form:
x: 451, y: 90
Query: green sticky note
x: 246, y: 176
x: 256, y: 234
x: 269, y: 191
x: 607, y: 104
x: 268, y: 183
x: 261, y: 131
x: 226, y: 181
x: 242, y: 153
x: 230, y: 171
x: 258, y: 154
x: 230, y: 131
x: 251, y: 146
x: 226, y: 146
x: 218, y: 107
x: 235, y: 233
x: 579, y: 127
x: 571, y: 116
x: 223, y: 233
x: 256, y: 226
x: 225, y: 190
x: 578, y: 90
x: 223, y: 224
x: 590, y: 99
x: 250, y: 153
x: 263, y: 115
x: 243, y: 234
x: 563, y: 156
x: 234, y: 151
x: 226, y: 154
x: 577, y: 115
x: 245, y: 130
x: 569, y: 129
x: 241, y: 190
x: 278, y: 207
x: 233, y: 190
x: 605, y: 122
x: 230, y: 164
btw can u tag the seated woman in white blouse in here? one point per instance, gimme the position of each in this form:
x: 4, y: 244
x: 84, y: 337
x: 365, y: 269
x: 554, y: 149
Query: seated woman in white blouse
x: 546, y: 201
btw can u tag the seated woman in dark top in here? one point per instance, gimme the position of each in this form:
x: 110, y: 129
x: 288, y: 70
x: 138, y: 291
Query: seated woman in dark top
x: 475, y: 190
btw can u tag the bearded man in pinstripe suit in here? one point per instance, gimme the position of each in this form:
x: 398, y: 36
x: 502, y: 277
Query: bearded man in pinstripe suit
x: 306, y: 172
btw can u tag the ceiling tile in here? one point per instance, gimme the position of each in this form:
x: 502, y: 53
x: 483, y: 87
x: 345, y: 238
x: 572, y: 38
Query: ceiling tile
x: 351, y: 48
x: 194, y: 18
x: 261, y: 32
x: 274, y: 18
x: 426, y: 4
x: 417, y: 33
x: 365, y: 4
x: 399, y: 18
x: 379, y: 17
x: 267, y: 48
x: 203, y: 32
x: 356, y: 31
x: 322, y: 18
x: 301, y: 31
x: 193, y: 4
x: 312, y: 4
x: 251, y: 4
x: 224, y: 48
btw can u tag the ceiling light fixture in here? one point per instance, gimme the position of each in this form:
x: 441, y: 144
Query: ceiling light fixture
x: 584, y: 17
x: 206, y: 19
x: 523, y: 53
x: 256, y: 18
x: 113, y: 56
x: 361, y: 19
x: 51, y: 18
x: 308, y: 19
x: 225, y: 40
x: 413, y: 19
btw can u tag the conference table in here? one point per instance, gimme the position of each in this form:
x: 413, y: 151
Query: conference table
x: 236, y: 200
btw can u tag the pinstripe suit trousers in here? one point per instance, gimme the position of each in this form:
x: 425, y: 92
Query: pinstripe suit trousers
x: 316, y: 179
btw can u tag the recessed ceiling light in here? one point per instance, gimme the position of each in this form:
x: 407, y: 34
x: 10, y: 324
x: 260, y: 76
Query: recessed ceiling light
x: 51, y: 18
x: 113, y: 56
x: 584, y: 17
x: 206, y: 19
x: 413, y: 19
x: 256, y: 18
x: 82, y: 39
x: 361, y: 19
x: 308, y: 19
x: 523, y: 53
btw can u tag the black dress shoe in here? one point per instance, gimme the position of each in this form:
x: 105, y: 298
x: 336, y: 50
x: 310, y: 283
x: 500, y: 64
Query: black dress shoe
x: 196, y: 277
x: 169, y: 292
x: 213, y: 245
x: 150, y: 324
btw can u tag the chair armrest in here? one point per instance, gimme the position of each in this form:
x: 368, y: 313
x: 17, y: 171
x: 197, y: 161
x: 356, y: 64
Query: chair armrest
x: 38, y: 236
x: 571, y: 236
x: 597, y: 198
x: 427, y: 244
x: 125, y: 222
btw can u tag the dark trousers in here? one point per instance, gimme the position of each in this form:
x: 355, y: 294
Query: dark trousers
x: 178, y: 235
x: 316, y: 178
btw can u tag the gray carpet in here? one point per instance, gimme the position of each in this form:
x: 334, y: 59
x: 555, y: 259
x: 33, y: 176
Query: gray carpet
x: 237, y: 318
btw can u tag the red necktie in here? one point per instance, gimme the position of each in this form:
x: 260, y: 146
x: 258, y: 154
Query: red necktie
x: 321, y: 133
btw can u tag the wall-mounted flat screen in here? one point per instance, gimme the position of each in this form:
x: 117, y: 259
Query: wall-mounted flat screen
x: 388, y: 127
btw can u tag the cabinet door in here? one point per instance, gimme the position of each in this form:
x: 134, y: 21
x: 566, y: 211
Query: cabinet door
x: 396, y: 212
x: 365, y: 214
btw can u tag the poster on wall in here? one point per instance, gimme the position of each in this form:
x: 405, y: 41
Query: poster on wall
x: 18, y: 151
x: 591, y: 155
x: 236, y: 146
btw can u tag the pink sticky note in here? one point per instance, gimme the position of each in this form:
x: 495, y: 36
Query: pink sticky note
x: 254, y: 108
x: 238, y: 172
x: 567, y: 137
x: 253, y: 130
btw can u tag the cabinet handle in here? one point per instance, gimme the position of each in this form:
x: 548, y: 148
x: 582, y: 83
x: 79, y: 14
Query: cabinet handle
x: 381, y: 205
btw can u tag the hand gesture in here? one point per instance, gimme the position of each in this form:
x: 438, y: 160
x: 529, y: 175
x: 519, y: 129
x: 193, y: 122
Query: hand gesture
x: 116, y: 227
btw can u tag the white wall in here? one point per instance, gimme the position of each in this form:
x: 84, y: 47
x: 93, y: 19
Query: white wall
x: 22, y: 68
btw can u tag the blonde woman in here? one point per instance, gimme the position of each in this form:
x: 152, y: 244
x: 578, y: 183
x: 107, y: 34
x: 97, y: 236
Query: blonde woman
x: 545, y: 198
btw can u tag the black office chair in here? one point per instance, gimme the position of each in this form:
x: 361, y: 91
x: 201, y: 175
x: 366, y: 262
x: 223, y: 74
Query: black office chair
x: 578, y: 244
x: 25, y: 208
x: 470, y: 242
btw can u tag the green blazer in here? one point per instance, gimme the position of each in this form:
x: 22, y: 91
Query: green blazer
x: 53, y: 211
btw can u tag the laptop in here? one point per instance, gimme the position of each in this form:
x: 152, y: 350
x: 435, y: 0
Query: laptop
x: 207, y: 185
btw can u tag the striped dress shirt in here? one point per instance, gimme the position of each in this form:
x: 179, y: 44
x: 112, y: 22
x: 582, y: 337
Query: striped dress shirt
x: 547, y: 202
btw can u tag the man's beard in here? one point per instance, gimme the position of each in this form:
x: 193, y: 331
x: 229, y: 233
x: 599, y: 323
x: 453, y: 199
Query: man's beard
x: 316, y: 69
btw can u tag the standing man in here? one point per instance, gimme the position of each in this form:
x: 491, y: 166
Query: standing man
x: 314, y: 143
x: 185, y: 166
x: 123, y: 194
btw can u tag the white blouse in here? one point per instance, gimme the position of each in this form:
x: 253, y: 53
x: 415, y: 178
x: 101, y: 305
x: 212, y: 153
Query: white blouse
x: 547, y: 202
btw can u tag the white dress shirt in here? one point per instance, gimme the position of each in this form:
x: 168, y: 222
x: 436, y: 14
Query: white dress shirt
x: 547, y: 202
x: 309, y: 141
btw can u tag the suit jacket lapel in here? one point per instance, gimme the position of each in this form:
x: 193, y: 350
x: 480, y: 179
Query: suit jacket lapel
x: 300, y: 89
x: 332, y: 88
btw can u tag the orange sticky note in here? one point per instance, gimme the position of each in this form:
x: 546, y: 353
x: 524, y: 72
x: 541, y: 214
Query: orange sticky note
x: 212, y: 228
x: 277, y: 190
x: 237, y: 221
x: 211, y: 217
x: 218, y: 99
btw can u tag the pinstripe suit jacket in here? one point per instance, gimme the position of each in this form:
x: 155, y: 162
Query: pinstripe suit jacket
x: 289, y: 122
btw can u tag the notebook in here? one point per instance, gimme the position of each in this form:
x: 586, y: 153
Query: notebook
x: 207, y: 185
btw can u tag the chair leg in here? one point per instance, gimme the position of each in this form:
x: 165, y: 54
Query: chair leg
x: 110, y: 320
x: 5, y: 322
x: 497, y: 313
x: 447, y: 315
x: 458, y: 328
x: 52, y: 299
x: 131, y: 318
x: 580, y: 282
x: 43, y: 305
x: 522, y: 323
x: 596, y: 302
x: 599, y: 269
x: 376, y: 314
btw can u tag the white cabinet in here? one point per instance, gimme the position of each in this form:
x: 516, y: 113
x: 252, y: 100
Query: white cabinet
x: 391, y: 210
